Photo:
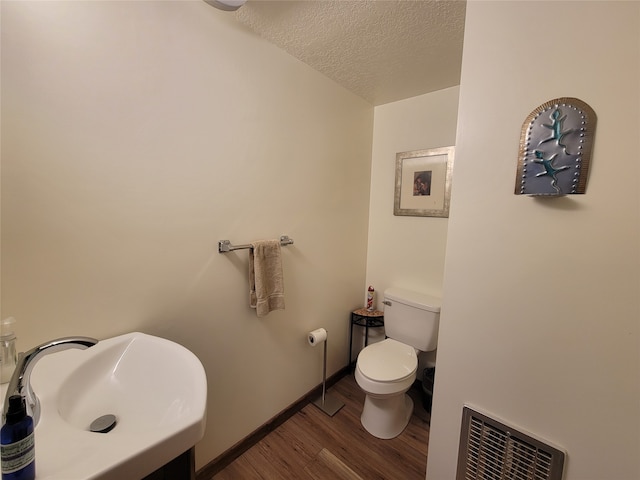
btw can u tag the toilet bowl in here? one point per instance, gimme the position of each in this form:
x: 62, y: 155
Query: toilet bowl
x: 385, y: 371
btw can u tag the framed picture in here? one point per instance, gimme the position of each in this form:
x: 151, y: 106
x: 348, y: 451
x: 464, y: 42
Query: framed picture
x: 423, y: 182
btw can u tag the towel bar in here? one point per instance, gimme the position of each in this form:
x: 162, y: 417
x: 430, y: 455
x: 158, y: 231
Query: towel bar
x: 225, y: 246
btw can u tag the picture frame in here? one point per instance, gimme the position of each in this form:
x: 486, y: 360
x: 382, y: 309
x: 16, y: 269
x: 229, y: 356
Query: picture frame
x: 423, y: 182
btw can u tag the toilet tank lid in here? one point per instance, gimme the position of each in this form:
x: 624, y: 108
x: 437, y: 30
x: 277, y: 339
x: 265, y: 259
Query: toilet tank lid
x: 414, y: 299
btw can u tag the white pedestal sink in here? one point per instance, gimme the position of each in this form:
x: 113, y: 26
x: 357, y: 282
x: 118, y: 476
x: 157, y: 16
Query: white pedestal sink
x: 156, y: 389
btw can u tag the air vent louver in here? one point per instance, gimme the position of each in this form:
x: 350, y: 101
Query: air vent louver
x: 491, y: 450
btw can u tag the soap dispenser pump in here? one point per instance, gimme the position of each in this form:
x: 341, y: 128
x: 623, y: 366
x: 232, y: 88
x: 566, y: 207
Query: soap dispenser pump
x: 8, y: 355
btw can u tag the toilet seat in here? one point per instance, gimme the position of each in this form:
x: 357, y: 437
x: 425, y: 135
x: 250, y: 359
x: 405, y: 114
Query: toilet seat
x: 387, y: 361
x: 385, y: 371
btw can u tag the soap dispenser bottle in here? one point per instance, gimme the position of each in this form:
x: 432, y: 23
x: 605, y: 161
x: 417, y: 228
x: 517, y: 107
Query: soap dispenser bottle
x: 17, y: 445
x: 8, y: 355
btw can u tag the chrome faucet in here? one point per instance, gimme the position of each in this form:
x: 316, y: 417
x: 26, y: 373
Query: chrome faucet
x: 20, y: 383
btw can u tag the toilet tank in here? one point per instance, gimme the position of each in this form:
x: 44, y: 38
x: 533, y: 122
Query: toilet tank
x: 412, y: 318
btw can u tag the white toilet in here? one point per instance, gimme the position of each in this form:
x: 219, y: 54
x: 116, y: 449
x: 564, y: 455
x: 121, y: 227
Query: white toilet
x: 387, y: 369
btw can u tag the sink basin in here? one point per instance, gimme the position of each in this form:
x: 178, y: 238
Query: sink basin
x: 155, y: 388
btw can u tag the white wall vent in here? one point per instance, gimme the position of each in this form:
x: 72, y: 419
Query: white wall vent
x: 491, y: 450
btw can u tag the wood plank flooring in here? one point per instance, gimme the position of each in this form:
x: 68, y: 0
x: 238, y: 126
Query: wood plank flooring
x: 312, y: 445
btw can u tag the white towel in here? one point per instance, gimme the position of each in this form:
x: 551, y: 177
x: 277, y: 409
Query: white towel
x: 266, y: 283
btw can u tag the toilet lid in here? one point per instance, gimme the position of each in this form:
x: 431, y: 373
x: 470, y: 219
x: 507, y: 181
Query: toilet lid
x: 388, y: 361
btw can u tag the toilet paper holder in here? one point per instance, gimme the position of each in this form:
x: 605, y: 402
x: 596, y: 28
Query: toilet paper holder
x: 325, y: 402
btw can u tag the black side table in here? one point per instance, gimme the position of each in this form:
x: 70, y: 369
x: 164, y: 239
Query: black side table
x: 364, y: 318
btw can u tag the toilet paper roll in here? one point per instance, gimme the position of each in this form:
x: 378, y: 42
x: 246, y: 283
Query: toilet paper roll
x: 317, y: 336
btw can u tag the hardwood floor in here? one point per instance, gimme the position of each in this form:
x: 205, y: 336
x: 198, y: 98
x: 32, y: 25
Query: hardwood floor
x: 313, y: 445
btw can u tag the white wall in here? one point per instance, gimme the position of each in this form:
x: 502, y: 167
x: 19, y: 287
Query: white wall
x: 541, y: 313
x: 403, y: 251
x: 138, y: 134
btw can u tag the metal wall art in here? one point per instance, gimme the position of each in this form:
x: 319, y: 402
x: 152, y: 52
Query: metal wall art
x: 555, y: 149
x: 423, y: 182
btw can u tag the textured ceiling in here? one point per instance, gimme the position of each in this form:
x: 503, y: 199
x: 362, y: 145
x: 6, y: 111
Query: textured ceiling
x: 381, y: 50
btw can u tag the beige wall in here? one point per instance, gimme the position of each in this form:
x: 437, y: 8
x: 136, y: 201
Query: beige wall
x: 138, y: 134
x: 540, y: 321
x: 403, y: 251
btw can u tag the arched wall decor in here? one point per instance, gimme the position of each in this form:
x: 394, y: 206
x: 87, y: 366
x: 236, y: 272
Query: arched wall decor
x: 555, y: 148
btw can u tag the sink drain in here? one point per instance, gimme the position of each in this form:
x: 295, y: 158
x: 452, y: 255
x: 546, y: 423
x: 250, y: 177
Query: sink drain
x: 103, y: 424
